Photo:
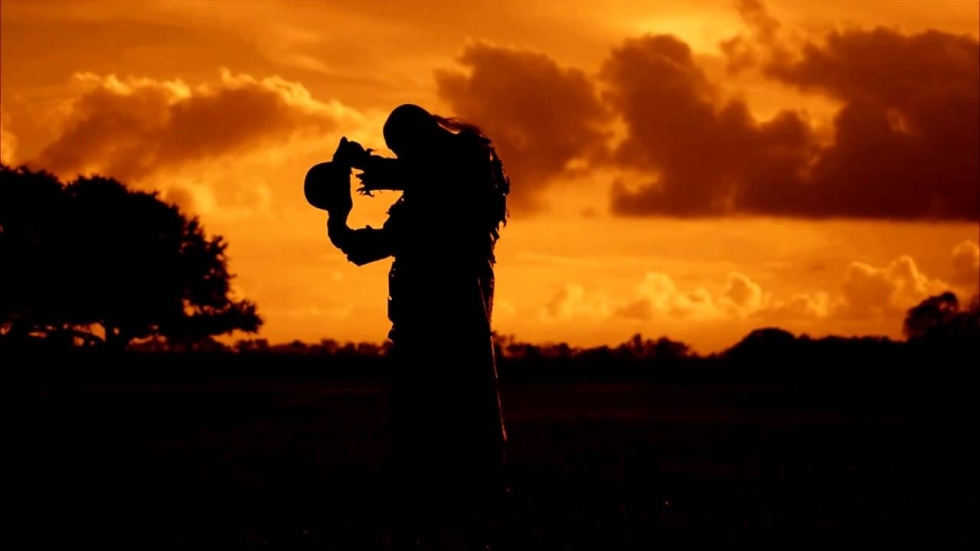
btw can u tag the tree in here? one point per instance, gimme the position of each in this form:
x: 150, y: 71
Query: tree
x: 661, y: 349
x: 765, y: 344
x: 930, y: 315
x: 941, y: 318
x: 33, y: 208
x: 95, y: 253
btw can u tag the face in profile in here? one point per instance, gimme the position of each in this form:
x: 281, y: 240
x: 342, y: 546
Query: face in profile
x: 411, y: 132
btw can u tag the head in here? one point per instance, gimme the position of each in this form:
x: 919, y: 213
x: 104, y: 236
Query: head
x: 411, y: 131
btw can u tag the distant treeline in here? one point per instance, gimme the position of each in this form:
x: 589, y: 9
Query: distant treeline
x: 770, y: 353
x: 937, y: 322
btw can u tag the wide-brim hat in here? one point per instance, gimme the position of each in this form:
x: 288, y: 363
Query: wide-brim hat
x: 324, y: 181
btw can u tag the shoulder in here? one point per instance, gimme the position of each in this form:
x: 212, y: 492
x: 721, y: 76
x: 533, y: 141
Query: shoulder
x: 470, y: 144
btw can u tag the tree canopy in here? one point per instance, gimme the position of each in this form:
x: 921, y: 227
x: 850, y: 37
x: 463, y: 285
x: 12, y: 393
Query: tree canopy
x: 93, y: 254
x: 942, y: 318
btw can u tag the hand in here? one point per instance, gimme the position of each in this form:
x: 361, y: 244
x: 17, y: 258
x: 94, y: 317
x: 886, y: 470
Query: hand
x: 351, y: 153
x: 369, y: 180
x: 381, y: 173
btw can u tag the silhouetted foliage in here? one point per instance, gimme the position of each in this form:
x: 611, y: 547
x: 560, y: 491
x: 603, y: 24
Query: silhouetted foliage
x: 660, y: 349
x: 95, y: 253
x: 776, y: 353
x: 940, y: 319
x: 769, y: 342
x: 326, y: 347
x: 635, y: 348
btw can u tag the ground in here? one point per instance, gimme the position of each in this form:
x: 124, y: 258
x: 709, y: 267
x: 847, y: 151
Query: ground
x: 218, y: 459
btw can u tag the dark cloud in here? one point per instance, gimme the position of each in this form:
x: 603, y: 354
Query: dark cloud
x: 908, y: 136
x: 763, y: 25
x: 540, y: 115
x: 135, y: 128
x: 705, y: 157
x: 905, y: 145
x: 743, y: 51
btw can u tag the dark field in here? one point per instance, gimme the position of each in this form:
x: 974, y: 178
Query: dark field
x: 198, y: 457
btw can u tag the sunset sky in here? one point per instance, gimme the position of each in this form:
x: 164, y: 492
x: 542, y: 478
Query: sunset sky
x: 689, y: 168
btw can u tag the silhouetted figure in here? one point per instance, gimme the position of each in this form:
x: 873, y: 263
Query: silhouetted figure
x: 448, y: 430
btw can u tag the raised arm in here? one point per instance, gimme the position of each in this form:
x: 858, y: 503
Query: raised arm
x: 329, y: 186
x: 363, y: 245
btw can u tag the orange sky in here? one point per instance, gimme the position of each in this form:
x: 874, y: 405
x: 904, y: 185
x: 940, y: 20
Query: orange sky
x: 686, y: 168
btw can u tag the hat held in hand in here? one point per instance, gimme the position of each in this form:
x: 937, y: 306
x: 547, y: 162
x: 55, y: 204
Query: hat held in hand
x: 328, y: 186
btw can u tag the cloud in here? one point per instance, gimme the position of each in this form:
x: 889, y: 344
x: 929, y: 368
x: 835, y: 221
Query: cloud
x: 742, y: 52
x: 802, y: 306
x: 742, y: 295
x: 902, y: 147
x: 657, y: 296
x: 135, y: 128
x: 763, y: 25
x: 572, y: 302
x: 966, y: 264
x: 904, y: 143
x: 880, y: 292
x: 8, y: 141
x: 870, y: 291
x: 703, y: 156
x: 867, y: 294
x: 908, y: 134
x: 541, y: 116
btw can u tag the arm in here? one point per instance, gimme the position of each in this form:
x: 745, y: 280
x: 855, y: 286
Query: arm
x: 380, y: 173
x: 362, y: 246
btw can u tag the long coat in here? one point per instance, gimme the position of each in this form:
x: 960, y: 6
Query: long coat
x: 446, y: 416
